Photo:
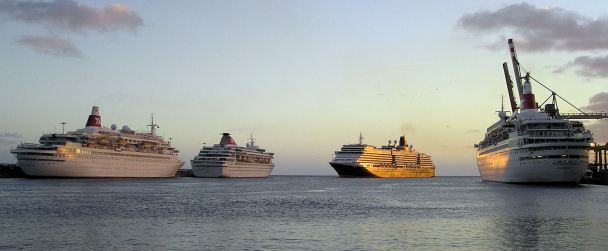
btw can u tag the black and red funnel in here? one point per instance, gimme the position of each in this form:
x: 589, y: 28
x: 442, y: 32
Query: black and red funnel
x: 94, y: 119
x: 227, y: 140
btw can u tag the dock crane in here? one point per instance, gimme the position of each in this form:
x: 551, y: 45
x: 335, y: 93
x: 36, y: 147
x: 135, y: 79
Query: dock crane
x: 551, y: 108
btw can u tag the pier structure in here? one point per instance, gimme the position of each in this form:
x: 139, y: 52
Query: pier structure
x: 11, y: 171
x: 600, y: 165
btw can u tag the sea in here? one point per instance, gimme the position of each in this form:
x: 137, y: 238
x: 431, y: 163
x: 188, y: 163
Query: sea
x: 300, y: 213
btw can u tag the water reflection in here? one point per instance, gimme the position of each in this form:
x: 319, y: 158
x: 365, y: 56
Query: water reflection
x: 318, y: 213
x: 539, y: 216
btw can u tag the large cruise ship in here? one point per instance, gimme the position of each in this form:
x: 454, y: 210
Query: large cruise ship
x: 532, y: 145
x: 390, y: 161
x: 96, y: 151
x: 229, y: 160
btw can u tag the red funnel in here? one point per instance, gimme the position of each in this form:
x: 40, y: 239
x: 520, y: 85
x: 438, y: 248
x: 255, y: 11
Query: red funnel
x: 94, y: 119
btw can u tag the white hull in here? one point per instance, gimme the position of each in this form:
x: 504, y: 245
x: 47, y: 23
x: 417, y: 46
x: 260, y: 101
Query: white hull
x: 231, y: 170
x: 98, y: 166
x: 99, y: 152
x: 508, y: 167
x: 533, y: 144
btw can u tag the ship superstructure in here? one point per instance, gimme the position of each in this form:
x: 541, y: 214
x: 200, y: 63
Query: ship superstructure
x: 532, y: 145
x: 390, y: 161
x: 229, y: 160
x: 97, y: 151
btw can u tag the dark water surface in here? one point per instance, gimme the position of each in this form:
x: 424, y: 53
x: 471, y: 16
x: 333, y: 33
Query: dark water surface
x: 291, y: 212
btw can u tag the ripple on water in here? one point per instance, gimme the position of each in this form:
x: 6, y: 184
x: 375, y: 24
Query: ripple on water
x: 319, y: 213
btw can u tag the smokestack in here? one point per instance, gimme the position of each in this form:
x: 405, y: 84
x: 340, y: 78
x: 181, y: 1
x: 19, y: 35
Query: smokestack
x: 227, y: 140
x: 402, y: 142
x: 94, y: 119
x: 527, y: 100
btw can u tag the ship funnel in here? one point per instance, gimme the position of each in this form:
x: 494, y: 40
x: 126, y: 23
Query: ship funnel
x: 227, y: 140
x: 527, y: 100
x: 402, y: 142
x: 94, y: 119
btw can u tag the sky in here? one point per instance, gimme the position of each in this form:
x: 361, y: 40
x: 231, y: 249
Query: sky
x: 304, y: 77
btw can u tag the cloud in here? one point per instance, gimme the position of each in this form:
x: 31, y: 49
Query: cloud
x: 9, y: 138
x: 541, y: 29
x: 70, y: 15
x: 51, y: 45
x: 587, y: 66
x: 597, y: 103
x: 599, y: 128
x: 67, y: 15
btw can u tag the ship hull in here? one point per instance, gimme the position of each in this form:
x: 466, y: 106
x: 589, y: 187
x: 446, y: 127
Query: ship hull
x: 231, y: 170
x: 97, y: 170
x: 357, y: 170
x: 102, y: 166
x: 502, y: 168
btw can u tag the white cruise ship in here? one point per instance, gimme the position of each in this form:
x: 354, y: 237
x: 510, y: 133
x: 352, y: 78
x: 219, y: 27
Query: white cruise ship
x: 533, y: 145
x: 390, y: 161
x: 229, y: 160
x: 96, y: 151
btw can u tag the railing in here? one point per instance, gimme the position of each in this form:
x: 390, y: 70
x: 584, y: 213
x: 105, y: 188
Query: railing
x: 591, y: 115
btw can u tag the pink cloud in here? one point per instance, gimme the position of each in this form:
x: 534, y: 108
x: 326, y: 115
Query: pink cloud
x: 68, y: 14
x: 51, y: 45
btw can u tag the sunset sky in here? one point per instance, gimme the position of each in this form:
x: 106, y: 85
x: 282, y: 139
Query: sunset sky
x: 304, y: 77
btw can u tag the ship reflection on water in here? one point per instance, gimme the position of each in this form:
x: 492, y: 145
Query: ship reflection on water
x: 535, y: 216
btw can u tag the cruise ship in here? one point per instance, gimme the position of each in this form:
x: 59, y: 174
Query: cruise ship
x: 96, y: 151
x: 229, y: 160
x: 390, y: 161
x: 532, y: 145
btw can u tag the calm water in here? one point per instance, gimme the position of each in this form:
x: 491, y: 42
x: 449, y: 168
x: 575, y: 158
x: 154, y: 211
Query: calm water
x: 289, y: 212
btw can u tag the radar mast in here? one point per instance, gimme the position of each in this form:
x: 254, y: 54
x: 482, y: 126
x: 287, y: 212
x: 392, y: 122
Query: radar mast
x: 251, y: 140
x: 152, y: 125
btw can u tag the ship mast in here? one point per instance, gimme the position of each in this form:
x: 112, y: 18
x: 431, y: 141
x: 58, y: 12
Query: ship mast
x: 251, y: 139
x: 505, y: 68
x: 360, y: 138
x: 515, y: 67
x: 152, y: 125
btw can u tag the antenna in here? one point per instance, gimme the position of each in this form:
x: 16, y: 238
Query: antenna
x: 152, y: 125
x: 502, y: 113
x: 360, y: 138
x: 251, y: 139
